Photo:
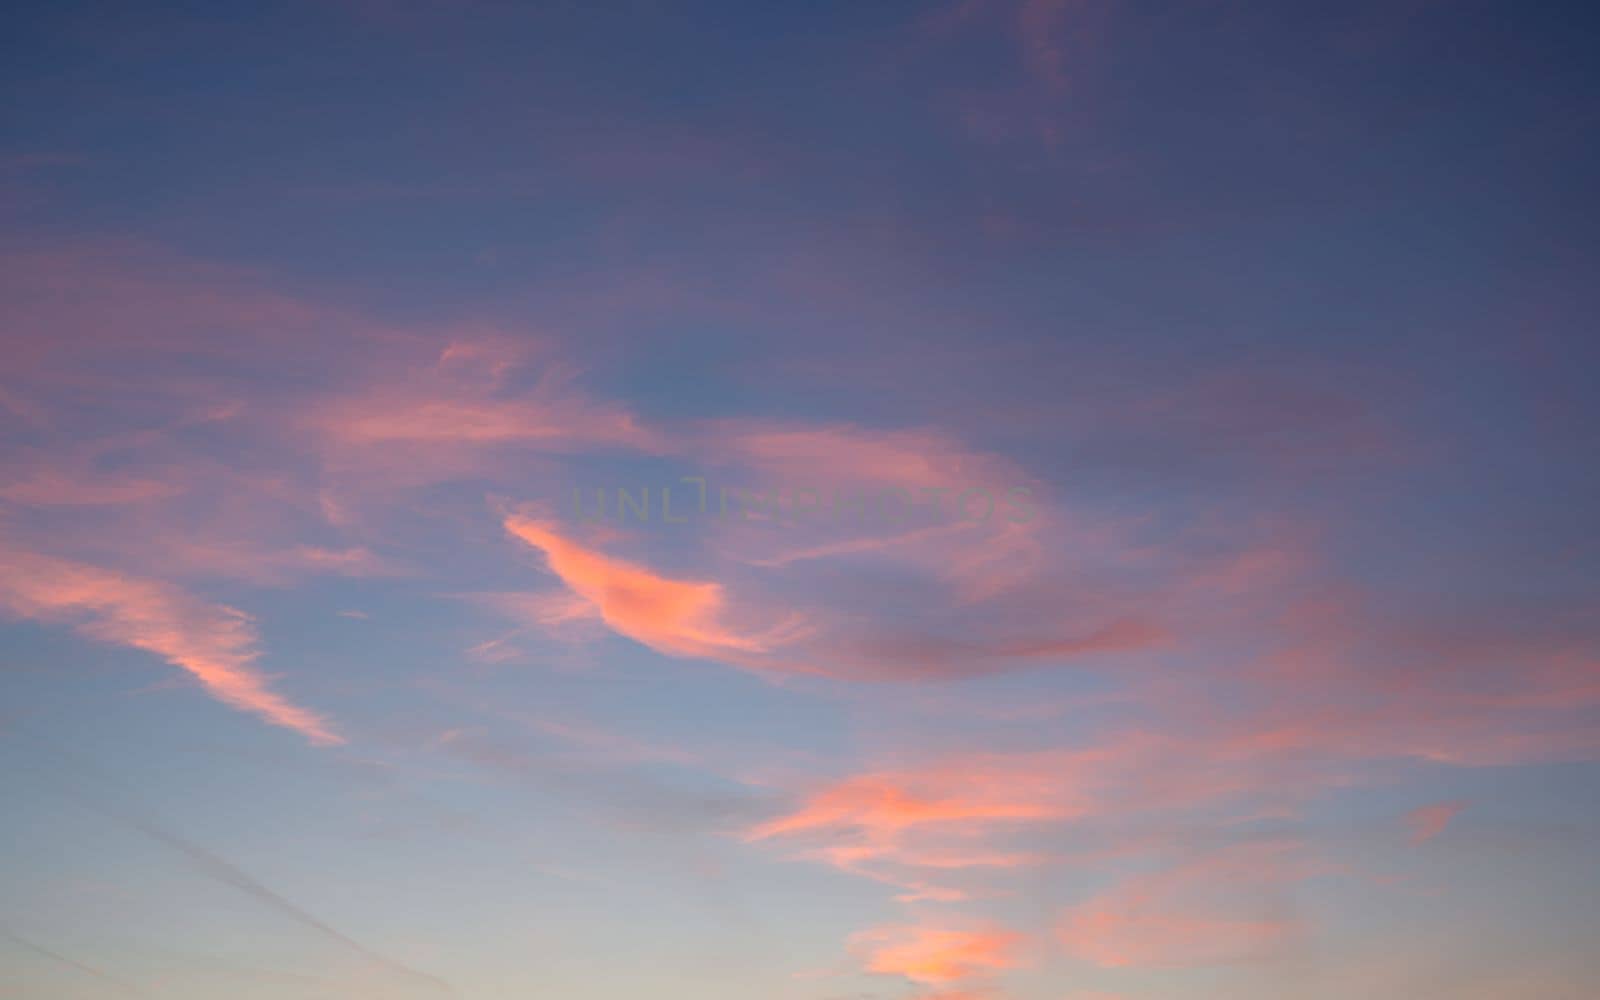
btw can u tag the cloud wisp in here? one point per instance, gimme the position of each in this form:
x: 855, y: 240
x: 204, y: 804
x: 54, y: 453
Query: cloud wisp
x: 215, y: 644
x: 676, y: 617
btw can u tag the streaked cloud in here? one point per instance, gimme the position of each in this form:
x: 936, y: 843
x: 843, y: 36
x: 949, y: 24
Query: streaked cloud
x: 1214, y: 909
x: 214, y: 643
x: 678, y: 617
x: 936, y: 955
x: 1426, y: 822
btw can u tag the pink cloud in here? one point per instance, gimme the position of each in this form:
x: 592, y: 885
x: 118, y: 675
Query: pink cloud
x: 914, y: 484
x: 934, y: 955
x: 909, y: 831
x: 1215, y: 909
x: 915, y: 828
x: 214, y: 643
x: 677, y: 617
x: 479, y: 392
x: 1362, y: 683
x: 1427, y: 822
x: 884, y: 806
x: 52, y: 487
x: 1040, y: 27
x: 122, y: 298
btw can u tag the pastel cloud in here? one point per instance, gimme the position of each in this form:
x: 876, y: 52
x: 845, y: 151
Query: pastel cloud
x: 1119, y: 933
x: 972, y: 517
x: 214, y: 643
x: 1365, y: 684
x: 677, y: 617
x: 883, y: 806
x: 970, y: 535
x: 816, y: 455
x: 914, y: 829
x: 1167, y: 350
x: 1427, y: 822
x: 934, y: 955
x: 978, y: 816
x: 1212, y: 910
x: 1070, y: 583
x: 152, y: 301
x: 1042, y: 51
x: 1324, y: 714
x: 48, y: 488
x: 481, y: 391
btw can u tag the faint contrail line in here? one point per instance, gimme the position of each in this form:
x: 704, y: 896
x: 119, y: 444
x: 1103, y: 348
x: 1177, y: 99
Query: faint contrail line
x: 72, y: 963
x: 227, y: 873
x: 114, y: 804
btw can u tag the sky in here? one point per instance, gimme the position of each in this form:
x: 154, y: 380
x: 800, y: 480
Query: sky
x: 941, y: 500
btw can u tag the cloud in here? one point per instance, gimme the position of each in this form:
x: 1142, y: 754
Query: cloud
x: 972, y: 817
x: 913, y: 829
x: 676, y: 617
x: 1045, y: 56
x: 121, y: 299
x: 214, y: 643
x: 1427, y: 822
x: 1492, y: 687
x: 50, y: 487
x: 1116, y: 934
x: 913, y: 497
x: 1214, y: 909
x: 479, y: 390
x: 883, y: 806
x: 934, y: 955
x: 891, y: 654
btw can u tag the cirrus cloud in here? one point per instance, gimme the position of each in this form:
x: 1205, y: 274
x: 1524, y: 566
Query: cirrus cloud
x: 214, y: 643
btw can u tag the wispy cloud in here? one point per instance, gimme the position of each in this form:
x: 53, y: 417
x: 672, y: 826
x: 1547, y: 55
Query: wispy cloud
x: 1427, y: 822
x: 678, y: 617
x: 938, y: 955
x: 1214, y: 909
x: 214, y: 643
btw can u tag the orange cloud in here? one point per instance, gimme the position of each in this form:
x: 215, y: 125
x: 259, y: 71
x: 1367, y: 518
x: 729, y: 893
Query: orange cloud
x: 1130, y: 773
x: 678, y: 617
x: 1427, y: 822
x: 938, y: 956
x: 214, y: 643
x: 927, y: 823
x: 882, y: 806
x: 976, y: 816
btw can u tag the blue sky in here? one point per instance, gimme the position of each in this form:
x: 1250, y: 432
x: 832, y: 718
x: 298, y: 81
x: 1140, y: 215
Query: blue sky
x: 314, y: 316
